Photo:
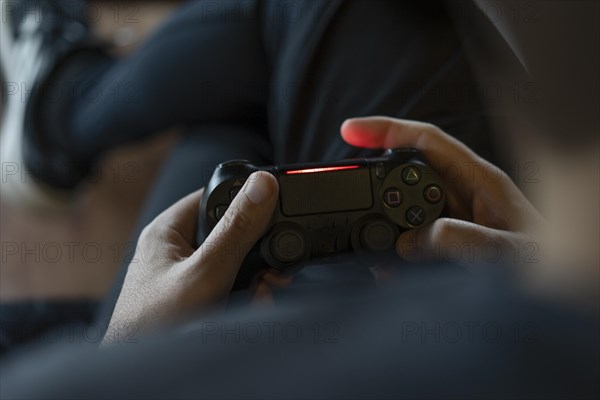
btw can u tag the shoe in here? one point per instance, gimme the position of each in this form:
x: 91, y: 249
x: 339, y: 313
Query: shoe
x: 36, y: 37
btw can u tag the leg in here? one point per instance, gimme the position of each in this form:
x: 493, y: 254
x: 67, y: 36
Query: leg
x: 194, y: 69
x: 202, y: 66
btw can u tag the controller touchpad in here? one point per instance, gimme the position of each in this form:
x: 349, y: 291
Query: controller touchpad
x: 315, y: 191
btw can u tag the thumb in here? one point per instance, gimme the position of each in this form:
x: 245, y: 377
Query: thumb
x: 244, y: 222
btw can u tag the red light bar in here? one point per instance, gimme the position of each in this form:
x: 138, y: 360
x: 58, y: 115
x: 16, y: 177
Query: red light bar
x: 322, y: 169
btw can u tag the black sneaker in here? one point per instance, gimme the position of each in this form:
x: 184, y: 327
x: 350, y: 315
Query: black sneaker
x: 37, y: 38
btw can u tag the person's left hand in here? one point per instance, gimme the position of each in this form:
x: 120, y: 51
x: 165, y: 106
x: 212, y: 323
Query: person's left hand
x: 169, y: 278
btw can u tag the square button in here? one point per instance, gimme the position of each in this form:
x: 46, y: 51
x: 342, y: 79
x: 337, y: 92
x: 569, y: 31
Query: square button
x: 392, y: 197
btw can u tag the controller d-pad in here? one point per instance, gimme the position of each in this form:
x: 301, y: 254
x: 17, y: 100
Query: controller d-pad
x: 234, y: 191
x: 415, y: 216
x: 287, y: 246
x: 220, y: 211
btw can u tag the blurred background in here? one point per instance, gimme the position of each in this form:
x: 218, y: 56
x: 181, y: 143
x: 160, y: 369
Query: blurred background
x: 105, y: 215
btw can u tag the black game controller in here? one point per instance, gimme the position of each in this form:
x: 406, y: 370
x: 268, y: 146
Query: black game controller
x: 326, y: 209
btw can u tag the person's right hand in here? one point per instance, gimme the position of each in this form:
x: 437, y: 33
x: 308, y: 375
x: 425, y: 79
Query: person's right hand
x: 169, y: 278
x: 489, y: 219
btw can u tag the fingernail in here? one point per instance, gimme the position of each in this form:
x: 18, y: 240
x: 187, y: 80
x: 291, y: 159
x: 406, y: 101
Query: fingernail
x: 346, y: 122
x: 257, y: 188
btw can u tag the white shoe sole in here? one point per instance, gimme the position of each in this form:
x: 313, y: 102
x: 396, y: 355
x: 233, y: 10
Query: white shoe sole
x: 17, y: 185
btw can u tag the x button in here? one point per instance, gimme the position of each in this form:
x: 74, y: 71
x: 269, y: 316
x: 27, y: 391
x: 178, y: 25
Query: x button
x: 415, y: 216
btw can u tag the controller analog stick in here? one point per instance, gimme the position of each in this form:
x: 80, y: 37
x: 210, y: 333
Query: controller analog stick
x: 377, y: 236
x: 287, y: 246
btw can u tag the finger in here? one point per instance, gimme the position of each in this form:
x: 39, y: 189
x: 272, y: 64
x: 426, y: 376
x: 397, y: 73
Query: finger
x: 182, y: 217
x: 263, y: 295
x: 384, y: 132
x: 242, y: 225
x: 277, y: 279
x: 458, y: 242
x: 451, y: 158
x: 385, y: 272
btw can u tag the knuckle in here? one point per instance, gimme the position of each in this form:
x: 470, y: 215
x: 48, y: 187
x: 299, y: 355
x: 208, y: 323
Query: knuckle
x: 441, y: 230
x: 428, y: 135
x: 507, y: 241
x: 154, y: 233
x: 146, y: 233
x: 503, y: 177
x: 492, y: 172
x: 431, y: 130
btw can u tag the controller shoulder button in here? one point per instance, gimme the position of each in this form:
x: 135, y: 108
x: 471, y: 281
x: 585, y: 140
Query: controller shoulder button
x: 233, y: 163
x: 401, y: 151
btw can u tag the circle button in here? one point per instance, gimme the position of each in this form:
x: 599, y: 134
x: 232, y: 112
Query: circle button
x: 287, y: 246
x: 432, y: 194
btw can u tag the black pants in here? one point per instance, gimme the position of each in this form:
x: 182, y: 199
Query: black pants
x: 273, y: 81
x: 425, y: 336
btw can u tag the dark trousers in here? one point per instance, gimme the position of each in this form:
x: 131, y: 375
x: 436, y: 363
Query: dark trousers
x: 427, y: 336
x: 272, y: 82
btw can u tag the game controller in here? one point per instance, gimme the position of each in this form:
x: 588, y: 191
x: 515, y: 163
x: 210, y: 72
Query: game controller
x: 357, y: 206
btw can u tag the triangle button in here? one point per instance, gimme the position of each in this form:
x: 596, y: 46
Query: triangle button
x: 411, y: 175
